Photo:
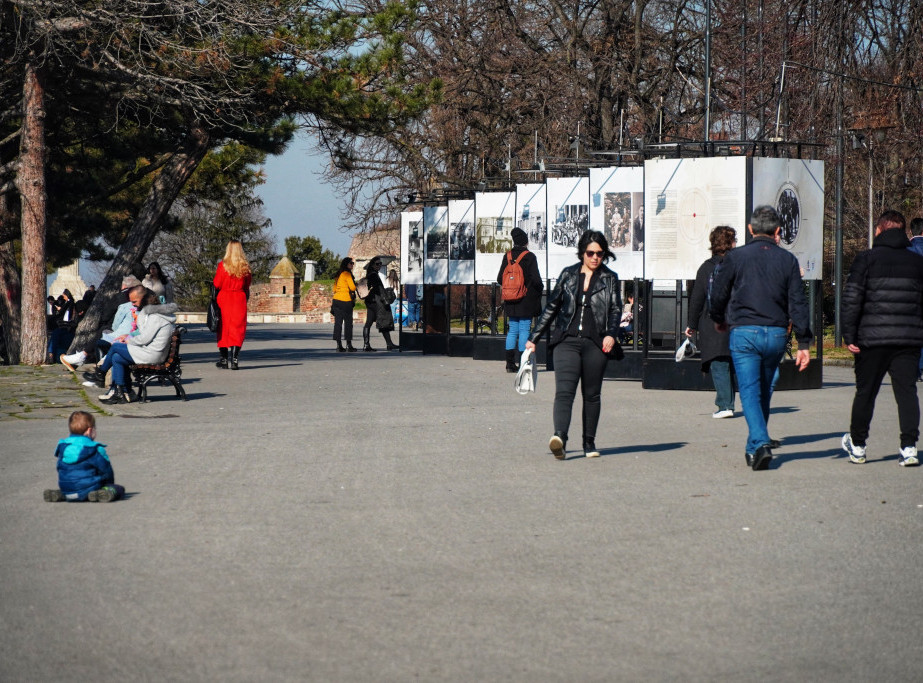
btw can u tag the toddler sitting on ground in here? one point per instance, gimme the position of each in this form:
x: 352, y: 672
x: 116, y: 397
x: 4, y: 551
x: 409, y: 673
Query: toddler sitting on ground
x: 84, y: 471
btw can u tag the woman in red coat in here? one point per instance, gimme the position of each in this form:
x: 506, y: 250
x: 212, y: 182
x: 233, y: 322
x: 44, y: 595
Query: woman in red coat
x: 233, y: 284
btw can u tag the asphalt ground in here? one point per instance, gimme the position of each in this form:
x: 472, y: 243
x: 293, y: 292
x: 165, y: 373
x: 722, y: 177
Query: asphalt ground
x: 393, y: 516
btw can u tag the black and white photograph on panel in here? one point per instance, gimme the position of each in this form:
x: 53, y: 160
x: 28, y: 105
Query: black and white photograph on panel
x: 531, y: 207
x: 412, y: 247
x: 616, y: 196
x: 495, y: 222
x: 461, y: 241
x: 437, y: 236
x: 795, y: 187
x: 570, y: 221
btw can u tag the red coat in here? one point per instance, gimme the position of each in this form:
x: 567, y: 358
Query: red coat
x: 232, y: 300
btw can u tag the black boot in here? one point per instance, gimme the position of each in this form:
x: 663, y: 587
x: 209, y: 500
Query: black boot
x: 365, y: 339
x: 340, y: 348
x: 117, y: 395
x: 223, y: 362
x: 234, y: 351
x: 511, y: 361
x: 391, y: 345
x: 349, y: 346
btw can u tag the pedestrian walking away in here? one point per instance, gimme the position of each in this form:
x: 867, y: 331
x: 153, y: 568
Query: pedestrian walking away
x: 756, y: 290
x: 882, y: 317
x: 232, y: 280
x: 583, y: 314
x: 521, y: 310
x: 713, y: 345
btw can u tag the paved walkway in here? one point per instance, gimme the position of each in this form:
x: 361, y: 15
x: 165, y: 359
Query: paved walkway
x: 389, y: 517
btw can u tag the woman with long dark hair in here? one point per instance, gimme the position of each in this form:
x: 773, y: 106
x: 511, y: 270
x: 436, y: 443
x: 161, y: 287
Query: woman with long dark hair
x: 344, y: 300
x: 583, y: 313
x: 158, y: 282
x: 377, y: 310
x: 232, y: 280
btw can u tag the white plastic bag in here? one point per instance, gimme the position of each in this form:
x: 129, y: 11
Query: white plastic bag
x: 527, y: 374
x: 686, y: 350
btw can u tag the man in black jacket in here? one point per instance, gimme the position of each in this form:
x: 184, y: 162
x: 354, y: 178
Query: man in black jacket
x: 882, y: 316
x: 756, y: 291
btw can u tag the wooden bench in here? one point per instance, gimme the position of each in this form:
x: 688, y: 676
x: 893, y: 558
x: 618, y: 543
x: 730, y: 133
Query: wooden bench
x: 170, y: 370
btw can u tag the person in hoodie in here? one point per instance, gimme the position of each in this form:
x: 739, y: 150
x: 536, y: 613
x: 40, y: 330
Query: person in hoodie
x: 150, y: 345
x: 882, y: 316
x: 84, y: 470
x: 916, y: 246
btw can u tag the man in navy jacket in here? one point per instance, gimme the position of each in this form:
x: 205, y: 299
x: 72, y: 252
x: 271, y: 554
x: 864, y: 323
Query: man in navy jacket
x: 882, y: 317
x: 756, y: 291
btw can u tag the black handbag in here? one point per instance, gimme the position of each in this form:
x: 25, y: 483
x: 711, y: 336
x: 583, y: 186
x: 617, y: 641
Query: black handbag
x: 213, y: 313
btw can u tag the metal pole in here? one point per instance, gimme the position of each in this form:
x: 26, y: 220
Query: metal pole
x: 838, y: 226
x: 871, y: 198
x: 707, y: 70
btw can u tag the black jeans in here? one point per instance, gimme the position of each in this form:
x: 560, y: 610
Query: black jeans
x: 342, y: 318
x: 578, y: 359
x: 900, y: 362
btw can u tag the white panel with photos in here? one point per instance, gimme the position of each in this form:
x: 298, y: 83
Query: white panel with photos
x: 569, y: 218
x: 684, y: 200
x: 412, y: 247
x: 461, y: 241
x: 532, y: 219
x: 617, y: 211
x: 435, y: 245
x: 494, y: 221
x: 795, y: 188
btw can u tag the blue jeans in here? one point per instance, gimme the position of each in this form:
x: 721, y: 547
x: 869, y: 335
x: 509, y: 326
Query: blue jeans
x: 518, y: 333
x: 757, y: 352
x: 118, y: 359
x: 720, y: 370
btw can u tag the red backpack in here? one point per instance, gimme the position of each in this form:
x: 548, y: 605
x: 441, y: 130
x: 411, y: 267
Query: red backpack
x: 514, y: 280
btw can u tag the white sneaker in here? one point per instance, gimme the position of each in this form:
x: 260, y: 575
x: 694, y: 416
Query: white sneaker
x: 74, y: 360
x: 721, y: 414
x: 908, y: 457
x: 856, y: 453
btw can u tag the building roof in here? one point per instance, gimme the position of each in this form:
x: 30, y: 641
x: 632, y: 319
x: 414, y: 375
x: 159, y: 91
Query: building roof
x: 285, y: 268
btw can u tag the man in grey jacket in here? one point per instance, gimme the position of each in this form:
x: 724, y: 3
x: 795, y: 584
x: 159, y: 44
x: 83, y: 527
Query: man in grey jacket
x: 882, y: 316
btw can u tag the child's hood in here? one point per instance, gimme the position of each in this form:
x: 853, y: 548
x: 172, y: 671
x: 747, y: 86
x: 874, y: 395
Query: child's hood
x: 78, y: 447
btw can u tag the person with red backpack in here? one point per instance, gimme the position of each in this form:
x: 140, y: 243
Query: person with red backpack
x: 521, y: 290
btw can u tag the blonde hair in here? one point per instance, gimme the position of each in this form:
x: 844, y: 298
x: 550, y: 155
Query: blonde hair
x: 235, y: 261
x: 80, y: 421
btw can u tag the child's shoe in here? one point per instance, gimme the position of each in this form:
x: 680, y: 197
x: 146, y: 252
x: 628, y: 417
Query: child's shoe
x: 107, y: 494
x: 54, y: 496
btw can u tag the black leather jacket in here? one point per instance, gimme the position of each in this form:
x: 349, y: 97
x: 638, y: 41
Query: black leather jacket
x: 605, y: 302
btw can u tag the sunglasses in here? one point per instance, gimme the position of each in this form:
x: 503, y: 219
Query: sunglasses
x: 597, y: 254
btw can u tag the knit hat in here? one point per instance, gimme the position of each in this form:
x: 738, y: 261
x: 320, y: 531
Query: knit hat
x: 520, y: 238
x: 129, y: 281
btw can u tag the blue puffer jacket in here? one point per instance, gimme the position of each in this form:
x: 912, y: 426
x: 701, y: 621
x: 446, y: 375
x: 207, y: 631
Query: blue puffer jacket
x: 83, y: 466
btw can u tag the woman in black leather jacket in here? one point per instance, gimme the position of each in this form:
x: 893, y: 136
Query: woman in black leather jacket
x: 583, y: 312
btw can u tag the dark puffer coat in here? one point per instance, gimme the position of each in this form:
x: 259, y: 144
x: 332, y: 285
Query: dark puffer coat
x: 712, y: 344
x: 883, y: 296
x: 531, y: 304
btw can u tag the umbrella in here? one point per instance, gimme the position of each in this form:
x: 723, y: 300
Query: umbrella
x: 385, y: 259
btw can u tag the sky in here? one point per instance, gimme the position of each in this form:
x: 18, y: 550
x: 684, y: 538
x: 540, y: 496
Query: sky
x: 298, y: 202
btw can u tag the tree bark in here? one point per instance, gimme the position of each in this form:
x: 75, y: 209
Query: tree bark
x: 10, y: 286
x: 163, y: 192
x: 30, y: 181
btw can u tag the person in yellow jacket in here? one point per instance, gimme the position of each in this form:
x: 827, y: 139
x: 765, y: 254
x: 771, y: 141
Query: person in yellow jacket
x: 344, y: 299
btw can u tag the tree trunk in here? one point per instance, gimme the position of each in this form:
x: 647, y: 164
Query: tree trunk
x: 9, y: 295
x: 166, y: 187
x: 30, y: 181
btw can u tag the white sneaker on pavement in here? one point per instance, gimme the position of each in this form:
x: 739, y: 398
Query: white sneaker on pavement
x: 74, y: 360
x: 908, y: 457
x: 721, y: 414
x: 856, y: 453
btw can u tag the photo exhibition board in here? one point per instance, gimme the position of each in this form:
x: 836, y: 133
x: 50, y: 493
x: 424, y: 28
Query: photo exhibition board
x: 494, y: 221
x: 617, y: 211
x: 412, y: 247
x: 569, y: 217
x: 683, y: 200
x: 531, y: 218
x: 461, y: 241
x: 795, y: 187
x: 435, y: 244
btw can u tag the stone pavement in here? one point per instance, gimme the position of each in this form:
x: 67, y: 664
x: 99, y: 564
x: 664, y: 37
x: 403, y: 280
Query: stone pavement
x: 386, y: 517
